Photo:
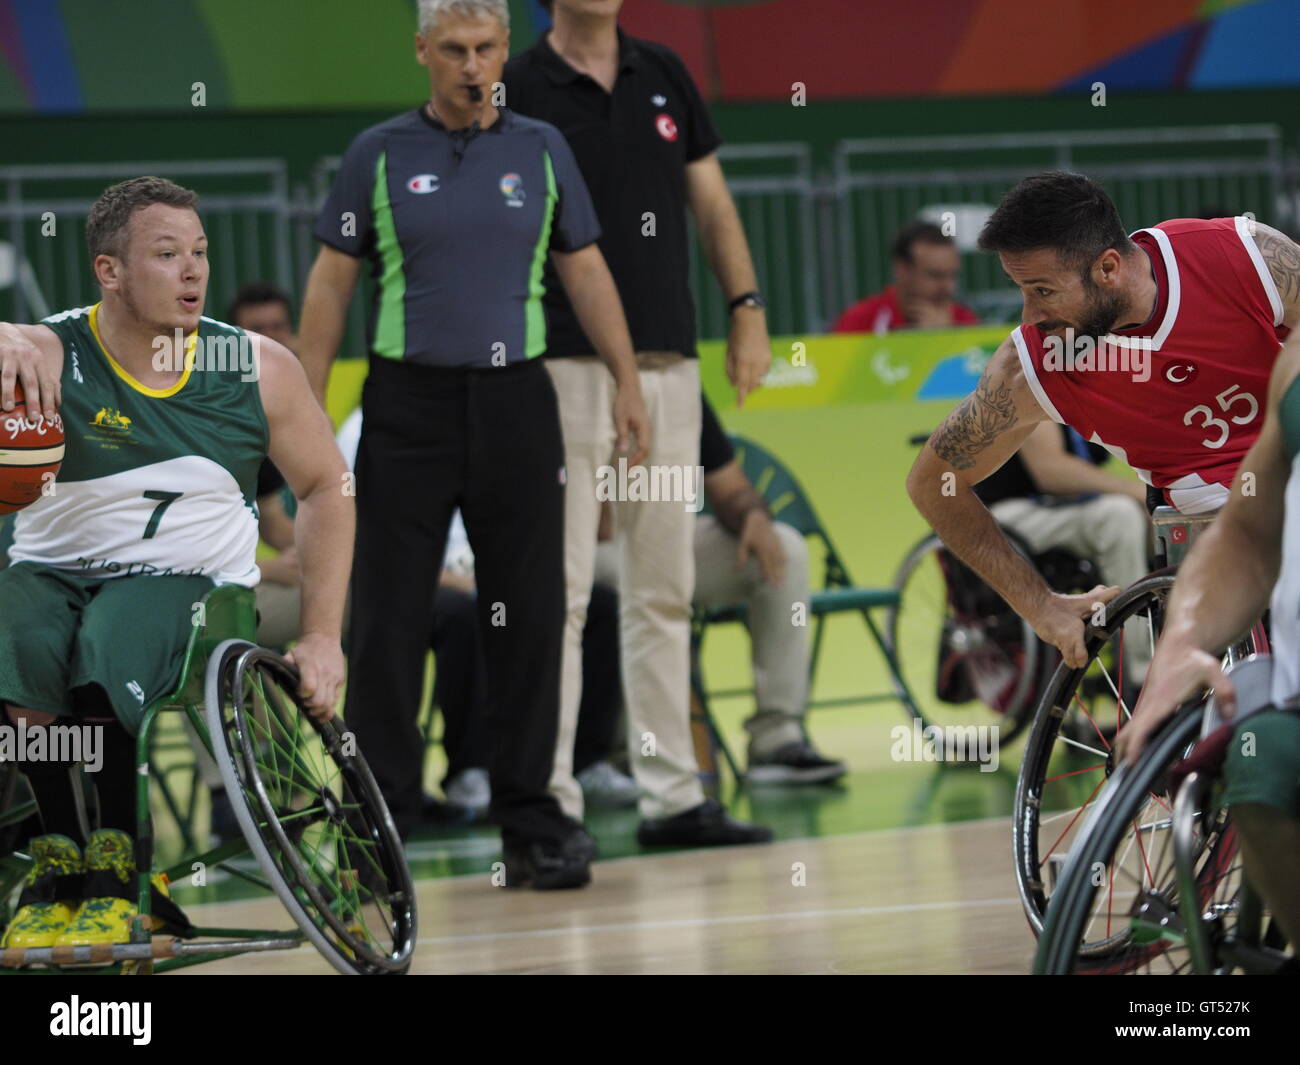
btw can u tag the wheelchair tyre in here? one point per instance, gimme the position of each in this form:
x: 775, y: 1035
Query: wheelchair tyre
x: 1210, y: 876
x: 1119, y: 890
x: 998, y: 648
x: 311, y: 813
x: 1067, y: 769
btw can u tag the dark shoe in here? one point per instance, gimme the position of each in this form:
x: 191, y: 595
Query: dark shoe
x: 706, y: 825
x: 549, y: 866
x: 223, y: 825
x: 434, y: 811
x: 795, y: 763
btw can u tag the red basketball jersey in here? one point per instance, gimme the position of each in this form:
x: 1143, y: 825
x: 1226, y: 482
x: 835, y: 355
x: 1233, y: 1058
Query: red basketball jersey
x: 1216, y: 330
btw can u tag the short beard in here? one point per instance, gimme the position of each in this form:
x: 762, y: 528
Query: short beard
x: 1101, y: 312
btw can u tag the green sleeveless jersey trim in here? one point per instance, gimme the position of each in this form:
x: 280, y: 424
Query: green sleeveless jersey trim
x: 1284, y: 631
x: 1289, y: 413
x: 154, y: 481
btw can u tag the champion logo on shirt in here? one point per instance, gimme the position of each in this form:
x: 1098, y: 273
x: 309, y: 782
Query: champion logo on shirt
x: 423, y: 183
x: 666, y: 126
x: 1179, y: 373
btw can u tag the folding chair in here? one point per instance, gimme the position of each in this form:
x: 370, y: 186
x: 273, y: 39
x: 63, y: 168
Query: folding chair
x: 788, y: 503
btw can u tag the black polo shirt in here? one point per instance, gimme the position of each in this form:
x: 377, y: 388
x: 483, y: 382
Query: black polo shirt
x: 632, y: 147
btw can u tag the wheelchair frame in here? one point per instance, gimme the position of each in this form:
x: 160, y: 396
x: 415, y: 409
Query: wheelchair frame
x: 227, y: 617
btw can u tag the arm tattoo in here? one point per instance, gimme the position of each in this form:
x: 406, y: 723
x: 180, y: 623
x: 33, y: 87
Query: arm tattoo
x: 974, y: 425
x: 1282, y: 257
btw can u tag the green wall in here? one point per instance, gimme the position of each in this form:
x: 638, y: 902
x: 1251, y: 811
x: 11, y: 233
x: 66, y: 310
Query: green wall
x: 303, y: 137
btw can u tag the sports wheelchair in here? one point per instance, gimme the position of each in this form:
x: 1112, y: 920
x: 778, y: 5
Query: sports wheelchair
x: 988, y: 667
x: 1154, y: 883
x: 1068, y: 755
x: 309, y: 809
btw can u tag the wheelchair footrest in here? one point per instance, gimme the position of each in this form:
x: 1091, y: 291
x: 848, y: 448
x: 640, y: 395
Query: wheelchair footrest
x: 111, y: 953
x: 93, y: 954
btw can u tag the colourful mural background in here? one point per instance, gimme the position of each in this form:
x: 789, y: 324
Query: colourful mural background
x: 69, y: 56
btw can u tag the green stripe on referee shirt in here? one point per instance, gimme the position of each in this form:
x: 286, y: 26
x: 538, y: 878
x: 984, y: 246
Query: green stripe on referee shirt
x: 534, y: 316
x: 390, y: 327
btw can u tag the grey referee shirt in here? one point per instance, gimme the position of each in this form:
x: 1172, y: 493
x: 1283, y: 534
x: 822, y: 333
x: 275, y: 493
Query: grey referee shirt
x: 456, y: 226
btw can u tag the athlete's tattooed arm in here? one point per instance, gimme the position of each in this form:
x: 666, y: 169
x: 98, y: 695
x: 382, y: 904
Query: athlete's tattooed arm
x: 1282, y: 257
x: 976, y: 424
x: 975, y: 439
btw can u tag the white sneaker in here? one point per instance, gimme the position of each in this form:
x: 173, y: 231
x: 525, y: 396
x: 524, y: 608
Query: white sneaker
x: 469, y: 788
x: 603, y: 785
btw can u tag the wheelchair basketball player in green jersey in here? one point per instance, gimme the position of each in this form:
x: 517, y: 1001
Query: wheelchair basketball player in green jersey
x: 154, y: 505
x: 1224, y: 584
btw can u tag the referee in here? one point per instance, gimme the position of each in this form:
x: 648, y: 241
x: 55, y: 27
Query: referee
x: 456, y: 206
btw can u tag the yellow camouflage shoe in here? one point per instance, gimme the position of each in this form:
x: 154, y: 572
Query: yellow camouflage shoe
x: 50, y: 895
x: 109, y: 889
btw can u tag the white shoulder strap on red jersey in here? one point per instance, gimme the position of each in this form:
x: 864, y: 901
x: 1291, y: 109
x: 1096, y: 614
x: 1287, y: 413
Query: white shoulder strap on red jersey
x: 1244, y: 226
x: 1031, y: 376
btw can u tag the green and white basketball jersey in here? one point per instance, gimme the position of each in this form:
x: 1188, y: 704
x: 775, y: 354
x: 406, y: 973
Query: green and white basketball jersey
x: 1285, y: 618
x: 154, y: 482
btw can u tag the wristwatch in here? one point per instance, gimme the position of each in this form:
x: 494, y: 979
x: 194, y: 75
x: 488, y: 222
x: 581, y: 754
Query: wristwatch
x: 747, y: 299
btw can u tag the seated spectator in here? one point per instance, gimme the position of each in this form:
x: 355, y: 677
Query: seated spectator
x: 926, y: 266
x: 261, y: 307
x: 1052, y: 494
x: 743, y: 556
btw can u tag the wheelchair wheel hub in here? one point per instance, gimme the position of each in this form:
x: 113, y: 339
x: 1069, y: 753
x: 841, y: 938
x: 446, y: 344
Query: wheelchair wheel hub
x: 331, y: 806
x: 966, y: 638
x: 1155, y: 919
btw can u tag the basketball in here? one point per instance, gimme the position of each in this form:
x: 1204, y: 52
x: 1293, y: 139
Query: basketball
x: 30, y: 448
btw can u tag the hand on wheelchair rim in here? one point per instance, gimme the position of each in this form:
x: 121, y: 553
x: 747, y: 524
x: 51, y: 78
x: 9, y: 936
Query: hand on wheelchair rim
x: 319, y: 662
x: 1178, y: 672
x: 1063, y: 619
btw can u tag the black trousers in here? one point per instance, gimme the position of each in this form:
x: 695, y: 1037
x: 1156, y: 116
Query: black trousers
x: 488, y: 441
x: 460, y: 682
x: 602, y: 681
x: 459, y: 686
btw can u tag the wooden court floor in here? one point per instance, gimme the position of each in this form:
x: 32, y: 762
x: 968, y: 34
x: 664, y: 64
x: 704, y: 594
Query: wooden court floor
x: 931, y: 899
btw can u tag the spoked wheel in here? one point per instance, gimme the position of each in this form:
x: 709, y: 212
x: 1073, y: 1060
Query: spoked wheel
x: 1210, y: 877
x: 965, y: 655
x: 12, y: 808
x: 1068, y: 755
x: 311, y: 812
x: 1116, y: 909
x: 19, y: 822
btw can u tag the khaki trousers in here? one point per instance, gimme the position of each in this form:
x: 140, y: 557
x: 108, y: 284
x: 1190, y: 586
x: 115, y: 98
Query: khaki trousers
x: 779, y: 648
x: 656, y: 576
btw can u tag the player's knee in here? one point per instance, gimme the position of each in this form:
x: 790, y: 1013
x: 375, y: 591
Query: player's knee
x: 794, y: 546
x: 1117, y: 519
x: 27, y: 717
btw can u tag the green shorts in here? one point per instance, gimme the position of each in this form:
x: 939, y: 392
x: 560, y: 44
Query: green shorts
x: 1263, y: 762
x: 60, y: 631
